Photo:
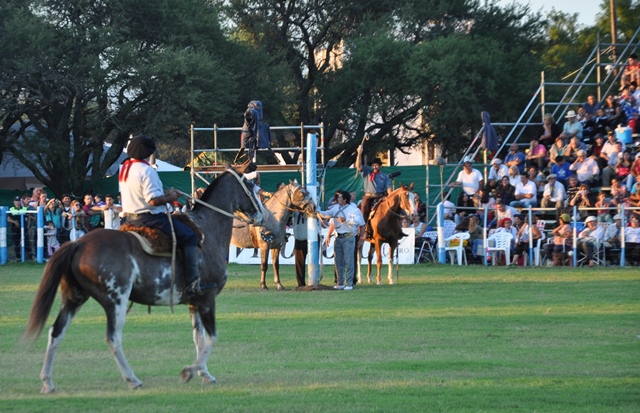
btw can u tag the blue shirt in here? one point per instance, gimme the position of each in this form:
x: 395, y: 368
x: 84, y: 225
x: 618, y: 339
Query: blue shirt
x: 380, y: 183
x: 563, y: 171
x: 516, y: 156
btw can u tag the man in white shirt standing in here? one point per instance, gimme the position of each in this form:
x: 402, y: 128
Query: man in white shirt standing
x: 554, y: 193
x: 526, y: 193
x: 470, y: 179
x: 346, y: 219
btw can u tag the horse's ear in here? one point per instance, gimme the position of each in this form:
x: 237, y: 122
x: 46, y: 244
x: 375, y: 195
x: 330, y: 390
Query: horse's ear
x: 247, y: 167
x: 295, y: 182
x: 411, y: 186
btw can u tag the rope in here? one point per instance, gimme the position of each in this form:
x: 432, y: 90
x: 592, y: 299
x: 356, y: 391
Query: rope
x: 173, y: 258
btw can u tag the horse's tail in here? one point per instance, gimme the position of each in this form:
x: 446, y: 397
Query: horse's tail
x: 59, y: 264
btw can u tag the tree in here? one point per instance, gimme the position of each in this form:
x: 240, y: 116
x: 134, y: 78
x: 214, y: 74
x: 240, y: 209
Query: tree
x: 82, y: 73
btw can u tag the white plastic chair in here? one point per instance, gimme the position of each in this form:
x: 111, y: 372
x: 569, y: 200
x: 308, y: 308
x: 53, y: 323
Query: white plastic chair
x: 500, y: 241
x: 536, y: 251
x: 457, y: 249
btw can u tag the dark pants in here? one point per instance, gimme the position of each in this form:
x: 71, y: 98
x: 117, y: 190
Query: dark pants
x: 184, y: 235
x: 365, y: 206
x: 300, y: 254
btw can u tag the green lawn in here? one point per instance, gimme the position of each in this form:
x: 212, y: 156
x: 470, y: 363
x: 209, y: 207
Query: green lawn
x: 444, y: 339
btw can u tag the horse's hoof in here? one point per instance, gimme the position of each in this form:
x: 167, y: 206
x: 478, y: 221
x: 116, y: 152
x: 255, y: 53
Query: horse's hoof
x: 135, y: 385
x: 186, y: 374
x: 280, y: 287
x: 209, y: 380
x: 391, y: 282
x: 47, y: 389
x: 379, y: 282
x: 264, y: 286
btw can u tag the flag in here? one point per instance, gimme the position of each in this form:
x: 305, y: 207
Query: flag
x: 489, y: 136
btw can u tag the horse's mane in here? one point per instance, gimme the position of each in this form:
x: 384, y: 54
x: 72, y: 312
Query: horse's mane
x: 207, y: 193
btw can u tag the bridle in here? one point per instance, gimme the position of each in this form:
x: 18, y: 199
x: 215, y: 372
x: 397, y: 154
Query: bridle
x: 249, y: 193
x: 386, y: 199
x: 295, y: 208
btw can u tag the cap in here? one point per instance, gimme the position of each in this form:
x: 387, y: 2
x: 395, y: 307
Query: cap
x: 590, y: 218
x: 617, y: 216
x: 565, y: 217
x: 552, y: 176
x: 17, y: 198
x: 496, y: 161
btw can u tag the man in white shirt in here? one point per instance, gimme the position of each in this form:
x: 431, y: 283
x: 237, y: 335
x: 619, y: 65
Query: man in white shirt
x: 526, y: 193
x: 590, y: 238
x: 586, y: 169
x: 554, y: 194
x: 610, y: 170
x: 470, y: 179
x: 502, y: 211
x: 346, y: 220
x: 498, y: 170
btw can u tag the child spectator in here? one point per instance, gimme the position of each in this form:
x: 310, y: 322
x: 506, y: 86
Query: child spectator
x: 52, y: 240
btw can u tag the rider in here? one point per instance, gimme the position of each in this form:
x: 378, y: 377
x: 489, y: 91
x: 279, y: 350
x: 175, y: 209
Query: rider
x: 376, y: 185
x: 143, y: 201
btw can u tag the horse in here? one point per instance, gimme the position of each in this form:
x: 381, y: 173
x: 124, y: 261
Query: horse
x: 111, y: 267
x: 386, y: 227
x: 286, y: 200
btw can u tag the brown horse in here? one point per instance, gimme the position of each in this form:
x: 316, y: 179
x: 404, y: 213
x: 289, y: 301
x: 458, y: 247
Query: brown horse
x: 386, y: 227
x: 112, y: 268
x: 288, y: 199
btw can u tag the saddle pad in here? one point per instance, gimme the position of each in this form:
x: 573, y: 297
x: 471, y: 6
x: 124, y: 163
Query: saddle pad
x: 147, y: 247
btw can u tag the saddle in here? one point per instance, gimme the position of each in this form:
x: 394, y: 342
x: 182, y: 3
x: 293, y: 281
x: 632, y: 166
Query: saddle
x: 155, y: 242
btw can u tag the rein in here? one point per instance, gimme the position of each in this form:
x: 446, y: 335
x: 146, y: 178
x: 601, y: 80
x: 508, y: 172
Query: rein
x: 290, y: 199
x: 246, y: 190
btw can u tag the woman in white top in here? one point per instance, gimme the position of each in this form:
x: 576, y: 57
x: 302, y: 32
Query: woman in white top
x: 514, y: 175
x: 418, y: 225
x: 632, y: 240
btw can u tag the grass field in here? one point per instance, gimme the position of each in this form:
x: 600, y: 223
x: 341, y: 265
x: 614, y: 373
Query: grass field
x: 445, y: 339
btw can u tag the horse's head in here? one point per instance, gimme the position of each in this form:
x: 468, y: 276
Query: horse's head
x: 301, y: 199
x: 407, y: 199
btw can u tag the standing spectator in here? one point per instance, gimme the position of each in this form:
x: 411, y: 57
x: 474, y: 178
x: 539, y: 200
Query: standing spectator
x: 554, y: 194
x: 515, y: 158
x: 470, y: 179
x: 300, y: 247
x: 571, y: 127
x: 93, y: 216
x: 347, y: 218
x: 65, y: 219
x: 14, y: 218
x: 52, y: 240
x: 81, y: 221
x: 53, y: 212
x: 526, y: 193
x: 113, y: 210
x: 590, y: 238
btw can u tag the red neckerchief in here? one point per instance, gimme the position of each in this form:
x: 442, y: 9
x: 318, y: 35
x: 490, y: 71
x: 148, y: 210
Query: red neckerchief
x: 372, y: 175
x: 126, y: 165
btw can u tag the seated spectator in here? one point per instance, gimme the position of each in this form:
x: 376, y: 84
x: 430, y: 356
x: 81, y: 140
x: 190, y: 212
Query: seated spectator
x: 596, y: 152
x: 526, y: 193
x: 575, y: 145
x: 506, y: 225
x: 537, y: 155
x: 522, y: 239
x: 554, y: 193
x: 537, y: 178
x: 572, y: 128
x: 623, y: 168
x: 562, y: 237
x: 619, y: 193
x: 592, y: 105
x: 613, y: 112
x: 550, y: 130
x: 612, y: 164
x: 590, y: 238
x: 421, y: 207
x: 559, y: 148
x: 613, y: 233
x: 514, y: 175
x: 418, y: 225
x: 571, y: 189
x: 632, y: 240
x: 631, y: 71
x: 582, y: 200
x: 465, y: 205
x: 449, y: 227
x: 634, y: 171
x: 561, y: 170
x: 603, y: 205
x: 498, y: 170
x: 505, y: 191
x: 585, y: 168
x: 502, y: 211
x: 515, y: 158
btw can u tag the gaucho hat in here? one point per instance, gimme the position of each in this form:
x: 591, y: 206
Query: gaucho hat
x: 141, y: 147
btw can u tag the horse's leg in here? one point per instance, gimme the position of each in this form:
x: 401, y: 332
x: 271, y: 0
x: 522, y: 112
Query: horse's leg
x: 116, y: 311
x: 392, y: 249
x: 264, y: 266
x: 69, y: 308
x: 204, y: 337
x: 358, y: 261
x: 275, y: 260
x: 379, y: 262
x: 369, y: 259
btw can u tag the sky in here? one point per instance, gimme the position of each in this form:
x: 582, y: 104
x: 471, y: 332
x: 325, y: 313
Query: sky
x: 586, y: 9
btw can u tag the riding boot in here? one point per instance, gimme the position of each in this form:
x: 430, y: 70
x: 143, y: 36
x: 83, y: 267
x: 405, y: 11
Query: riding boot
x: 191, y: 271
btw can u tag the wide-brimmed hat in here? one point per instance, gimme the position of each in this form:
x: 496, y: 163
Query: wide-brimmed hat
x: 376, y: 160
x: 565, y: 217
x: 571, y: 114
x: 496, y: 161
x: 589, y: 219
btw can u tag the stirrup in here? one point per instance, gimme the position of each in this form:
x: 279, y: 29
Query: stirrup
x: 194, y: 289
